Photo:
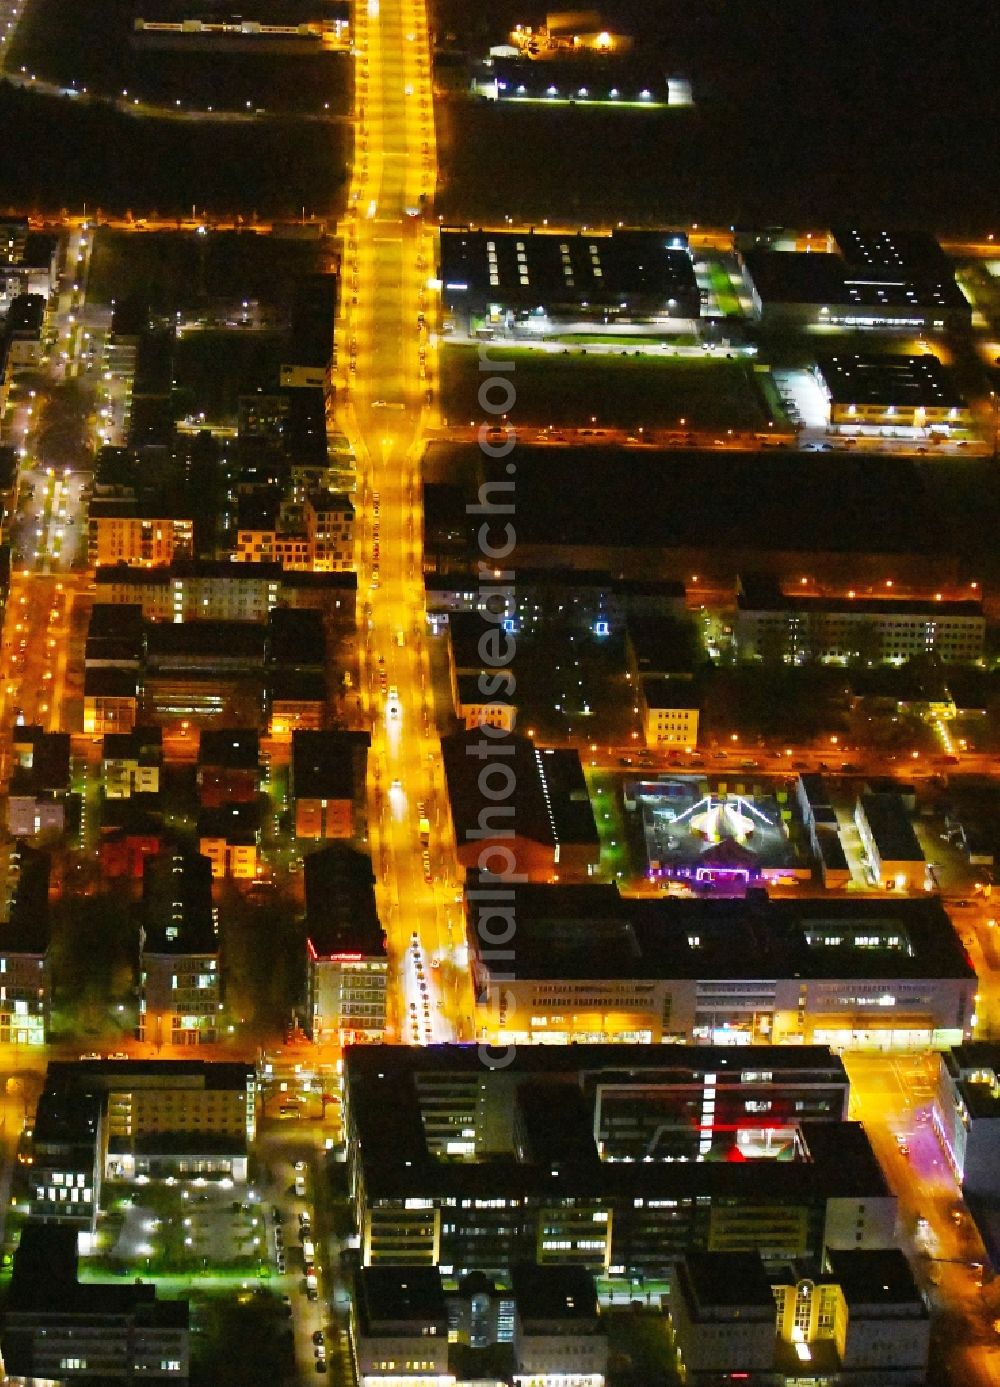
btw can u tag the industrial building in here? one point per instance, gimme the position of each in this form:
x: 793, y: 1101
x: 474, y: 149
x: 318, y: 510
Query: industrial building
x: 529, y: 279
x: 891, y: 392
x: 803, y: 289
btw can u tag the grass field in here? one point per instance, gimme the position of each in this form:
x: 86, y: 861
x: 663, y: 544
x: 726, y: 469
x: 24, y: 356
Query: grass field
x: 87, y: 45
x: 180, y: 270
x: 797, y: 119
x: 59, y: 154
x: 614, y: 391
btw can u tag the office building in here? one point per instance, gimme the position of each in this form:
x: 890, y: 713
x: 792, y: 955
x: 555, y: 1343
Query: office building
x: 545, y: 824
x: 67, y: 1167
x: 856, y: 1317
x: 179, y: 976
x: 123, y: 1119
x: 345, y: 947
x: 966, y: 1116
x: 893, y: 856
x: 465, y: 1167
x: 399, y: 1328
x: 559, y: 1337
x: 871, y: 972
x: 57, y: 1328
x: 781, y: 623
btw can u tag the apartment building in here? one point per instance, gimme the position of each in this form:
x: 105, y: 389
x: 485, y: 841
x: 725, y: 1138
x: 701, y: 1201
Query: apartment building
x: 774, y: 624
x: 122, y: 531
x: 179, y: 974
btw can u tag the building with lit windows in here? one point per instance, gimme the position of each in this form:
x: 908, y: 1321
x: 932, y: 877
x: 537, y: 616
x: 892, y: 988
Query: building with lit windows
x: 120, y: 531
x: 327, y: 784
x: 966, y: 1116
x: 851, y: 1319
x: 546, y: 822
x: 345, y: 946
x: 180, y: 990
x: 126, y: 1119
x: 399, y: 1328
x: 39, y: 787
x: 596, y: 601
x: 776, y: 622
x: 131, y: 763
x: 893, y: 853
x: 590, y: 965
x: 329, y: 520
x: 194, y: 589
x: 559, y: 1338
x: 670, y: 710
x: 25, y: 981
x: 873, y: 280
x: 68, y: 1143
x: 528, y: 280
x: 482, y: 688
x: 891, y: 392
x: 230, y: 838
x: 57, y: 1328
x: 617, y: 1161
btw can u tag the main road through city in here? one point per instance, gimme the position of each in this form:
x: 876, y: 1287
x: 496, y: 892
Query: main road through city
x: 384, y: 341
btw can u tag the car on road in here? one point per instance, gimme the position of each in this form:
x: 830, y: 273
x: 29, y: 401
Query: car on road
x: 318, y: 1336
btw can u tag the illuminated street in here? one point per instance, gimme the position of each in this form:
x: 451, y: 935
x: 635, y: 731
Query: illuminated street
x: 384, y: 343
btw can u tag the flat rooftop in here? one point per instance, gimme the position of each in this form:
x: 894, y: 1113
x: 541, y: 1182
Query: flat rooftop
x: 386, y: 1297
x: 822, y: 279
x: 874, y: 1278
x: 906, y: 382
x: 891, y: 827
x: 725, y: 1281
x: 897, y: 249
x: 329, y: 765
x: 591, y: 931
x: 531, y: 268
x: 384, y: 1117
x: 551, y: 803
x: 341, y: 912
x: 761, y: 592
